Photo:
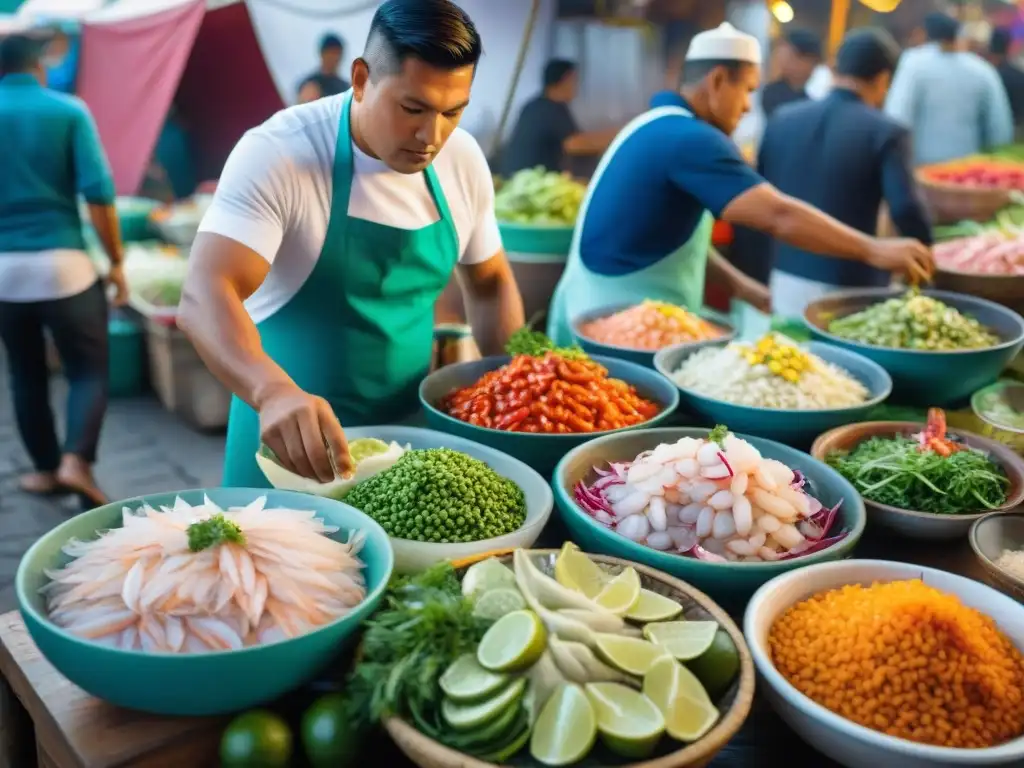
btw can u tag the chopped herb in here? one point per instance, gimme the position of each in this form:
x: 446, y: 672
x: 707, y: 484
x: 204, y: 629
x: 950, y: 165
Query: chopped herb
x: 527, y: 341
x: 718, y: 434
x: 216, y: 530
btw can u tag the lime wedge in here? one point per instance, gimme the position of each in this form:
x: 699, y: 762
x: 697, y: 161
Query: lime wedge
x: 689, y: 719
x: 653, y: 607
x: 466, y: 681
x: 566, y: 728
x: 575, y: 570
x: 629, y: 654
x: 365, y: 447
x: 718, y: 666
x: 495, y: 603
x: 487, y: 575
x: 513, y: 642
x: 685, y: 640
x: 504, y: 754
x: 667, y: 680
x: 464, y: 717
x: 629, y: 723
x: 621, y: 593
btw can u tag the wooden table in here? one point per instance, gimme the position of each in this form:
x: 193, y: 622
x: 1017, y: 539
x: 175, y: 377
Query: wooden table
x: 47, y: 721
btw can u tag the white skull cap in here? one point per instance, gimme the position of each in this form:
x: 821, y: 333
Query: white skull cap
x: 725, y: 43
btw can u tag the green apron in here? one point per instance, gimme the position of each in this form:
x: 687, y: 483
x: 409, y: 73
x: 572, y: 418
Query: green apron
x: 678, y: 278
x: 359, y: 332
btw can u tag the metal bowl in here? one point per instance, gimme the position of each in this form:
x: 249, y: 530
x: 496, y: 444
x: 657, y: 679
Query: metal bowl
x: 990, y: 536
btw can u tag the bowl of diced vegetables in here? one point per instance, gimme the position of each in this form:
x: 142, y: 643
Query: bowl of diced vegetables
x: 775, y: 387
x: 938, y: 347
x: 536, y: 211
x: 722, y: 511
x: 556, y: 658
x: 437, y: 496
x: 924, y: 481
x: 636, y: 332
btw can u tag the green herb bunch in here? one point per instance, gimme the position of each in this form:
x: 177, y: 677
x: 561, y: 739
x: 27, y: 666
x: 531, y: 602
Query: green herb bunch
x: 215, y: 530
x: 527, y: 341
x: 894, y: 471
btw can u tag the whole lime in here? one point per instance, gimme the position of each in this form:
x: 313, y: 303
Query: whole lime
x: 328, y: 736
x: 257, y: 739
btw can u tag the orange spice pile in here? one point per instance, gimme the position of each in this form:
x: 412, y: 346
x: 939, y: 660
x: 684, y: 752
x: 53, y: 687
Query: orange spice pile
x: 905, y: 659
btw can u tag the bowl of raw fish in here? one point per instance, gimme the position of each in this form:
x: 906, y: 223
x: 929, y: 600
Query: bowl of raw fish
x: 643, y: 357
x: 159, y: 680
x: 928, y: 377
x: 787, y: 425
x: 540, y: 451
x: 727, y: 581
x: 413, y: 556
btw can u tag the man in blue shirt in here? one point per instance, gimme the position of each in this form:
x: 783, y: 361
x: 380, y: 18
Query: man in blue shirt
x: 52, y: 154
x: 807, y: 147
x: 645, y: 228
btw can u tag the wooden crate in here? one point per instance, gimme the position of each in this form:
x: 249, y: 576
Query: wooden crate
x: 46, y: 720
x: 181, y: 379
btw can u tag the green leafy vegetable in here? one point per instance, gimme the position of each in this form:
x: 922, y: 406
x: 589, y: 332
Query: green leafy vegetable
x: 216, y: 530
x: 527, y: 341
x: 718, y: 434
x: 894, y: 471
x: 425, y: 625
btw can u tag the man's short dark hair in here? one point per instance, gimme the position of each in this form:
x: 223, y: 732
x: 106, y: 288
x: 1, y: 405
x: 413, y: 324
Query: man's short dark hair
x: 437, y: 32
x: 695, y: 71
x: 866, y: 53
x: 941, y: 27
x: 556, y: 70
x: 804, y: 42
x: 19, y: 53
x: 1001, y: 41
x: 331, y: 40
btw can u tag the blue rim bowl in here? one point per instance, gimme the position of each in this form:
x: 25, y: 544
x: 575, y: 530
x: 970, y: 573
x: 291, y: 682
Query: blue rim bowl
x: 727, y: 582
x: 786, y: 425
x: 642, y: 356
x: 540, y: 451
x: 923, y: 377
x: 197, y: 684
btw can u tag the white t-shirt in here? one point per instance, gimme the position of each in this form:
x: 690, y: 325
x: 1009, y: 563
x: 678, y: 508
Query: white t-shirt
x: 274, y: 196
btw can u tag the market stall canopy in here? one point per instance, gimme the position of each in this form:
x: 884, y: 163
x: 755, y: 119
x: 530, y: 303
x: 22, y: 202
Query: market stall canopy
x: 141, y: 56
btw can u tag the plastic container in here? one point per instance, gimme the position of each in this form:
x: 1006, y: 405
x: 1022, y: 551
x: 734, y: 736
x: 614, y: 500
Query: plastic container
x: 182, y: 381
x: 127, y: 362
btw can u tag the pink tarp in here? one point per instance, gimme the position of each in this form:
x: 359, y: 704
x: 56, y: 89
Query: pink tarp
x: 128, y: 74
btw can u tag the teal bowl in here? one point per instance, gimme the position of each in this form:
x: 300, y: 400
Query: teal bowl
x: 541, y: 239
x: 540, y: 451
x: 642, y: 356
x: 790, y: 426
x: 196, y: 684
x: 925, y: 378
x: 729, y: 583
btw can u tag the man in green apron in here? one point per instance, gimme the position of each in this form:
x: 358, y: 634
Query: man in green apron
x: 335, y: 227
x: 644, y: 231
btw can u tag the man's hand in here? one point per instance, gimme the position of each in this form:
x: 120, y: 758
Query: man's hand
x: 905, y: 258
x: 116, y: 278
x: 755, y: 294
x: 303, y: 432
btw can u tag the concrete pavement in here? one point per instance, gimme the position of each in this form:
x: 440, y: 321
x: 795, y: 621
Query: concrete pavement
x: 144, y: 449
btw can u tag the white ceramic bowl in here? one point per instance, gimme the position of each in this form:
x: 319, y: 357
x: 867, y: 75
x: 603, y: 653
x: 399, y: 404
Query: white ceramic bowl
x: 846, y: 742
x: 414, y: 556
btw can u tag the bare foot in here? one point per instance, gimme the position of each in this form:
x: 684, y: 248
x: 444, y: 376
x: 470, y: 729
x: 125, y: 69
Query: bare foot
x: 76, y: 476
x: 41, y: 483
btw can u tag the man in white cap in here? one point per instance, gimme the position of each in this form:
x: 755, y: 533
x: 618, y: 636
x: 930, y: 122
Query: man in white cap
x: 644, y: 231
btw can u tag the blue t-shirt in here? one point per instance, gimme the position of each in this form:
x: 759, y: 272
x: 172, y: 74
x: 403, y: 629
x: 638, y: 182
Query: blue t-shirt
x: 655, y: 190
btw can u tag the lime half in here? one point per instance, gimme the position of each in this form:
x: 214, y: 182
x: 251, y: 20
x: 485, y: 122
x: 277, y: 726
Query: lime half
x: 365, y: 447
x: 566, y: 728
x: 513, y: 642
x: 685, y: 640
x: 494, y: 604
x: 487, y: 575
x: 621, y: 593
x: 629, y: 654
x: 465, y: 680
x: 464, y: 717
x: 628, y: 721
x: 653, y: 607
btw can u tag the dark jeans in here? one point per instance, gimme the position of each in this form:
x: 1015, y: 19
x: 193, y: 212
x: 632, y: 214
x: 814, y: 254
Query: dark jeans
x: 78, y: 326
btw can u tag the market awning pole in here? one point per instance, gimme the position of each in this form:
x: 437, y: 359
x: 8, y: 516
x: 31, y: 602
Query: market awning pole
x: 524, y: 46
x: 837, y: 26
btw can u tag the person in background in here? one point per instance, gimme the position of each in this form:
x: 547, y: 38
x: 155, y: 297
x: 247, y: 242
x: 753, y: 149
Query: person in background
x: 798, y: 55
x: 1012, y: 76
x: 644, y: 231
x: 546, y: 131
x: 52, y: 154
x: 952, y: 101
x: 807, y: 146
x: 61, y: 61
x: 326, y: 81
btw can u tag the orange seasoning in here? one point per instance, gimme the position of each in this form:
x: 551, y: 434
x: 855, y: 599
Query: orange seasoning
x: 549, y: 394
x: 905, y: 659
x: 650, y: 325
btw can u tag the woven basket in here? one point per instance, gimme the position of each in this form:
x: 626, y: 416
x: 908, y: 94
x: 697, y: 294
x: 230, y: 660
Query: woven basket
x: 951, y: 203
x: 427, y: 753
